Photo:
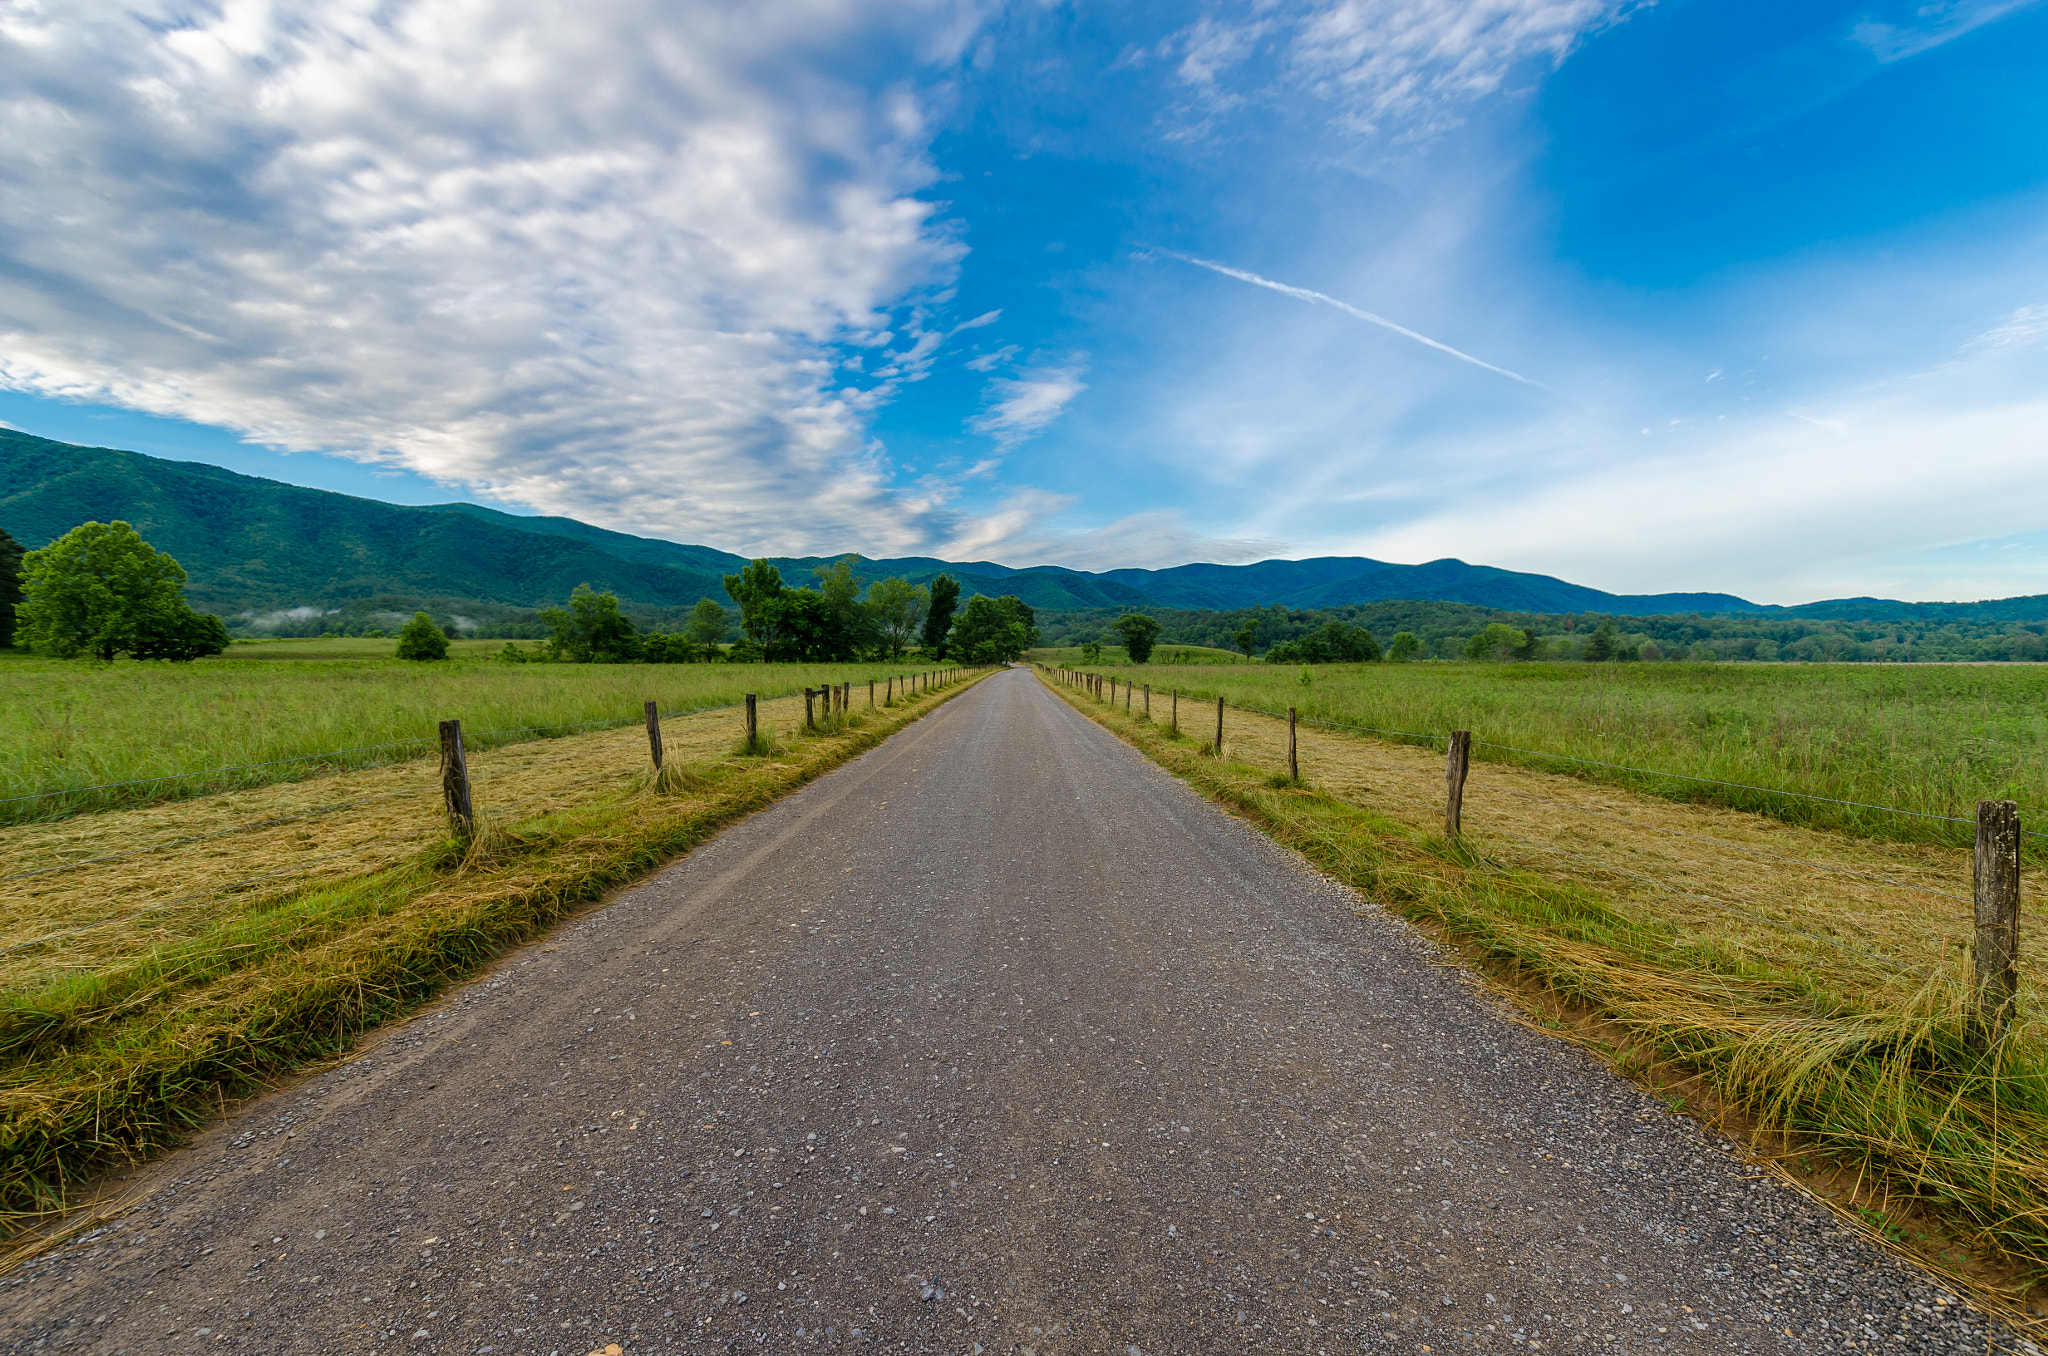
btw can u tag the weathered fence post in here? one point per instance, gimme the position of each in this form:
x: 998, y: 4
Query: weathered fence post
x: 1219, y: 727
x: 455, y: 779
x: 1176, y: 710
x: 753, y: 726
x: 654, y: 734
x: 1148, y: 701
x: 810, y: 719
x: 1457, y: 761
x: 871, y: 694
x: 1127, y: 699
x: 1293, y: 759
x: 1996, y: 878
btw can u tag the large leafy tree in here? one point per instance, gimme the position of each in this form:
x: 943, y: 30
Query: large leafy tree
x: 898, y: 607
x: 1335, y: 643
x: 753, y: 590
x: 100, y: 589
x: 992, y: 630
x: 853, y: 628
x: 1140, y: 633
x: 707, y: 623
x: 938, y: 619
x: 422, y: 640
x: 10, y: 585
x: 592, y: 628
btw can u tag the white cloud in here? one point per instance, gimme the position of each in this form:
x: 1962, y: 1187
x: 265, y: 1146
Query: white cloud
x: 1938, y: 24
x: 603, y: 261
x: 988, y: 362
x: 1020, y: 532
x: 1410, y: 67
x: 2016, y: 330
x: 1021, y: 406
x: 1776, y: 512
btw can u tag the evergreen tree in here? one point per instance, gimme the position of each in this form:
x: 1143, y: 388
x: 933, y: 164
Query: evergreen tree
x: 1603, y: 644
x: 10, y: 585
x: 938, y: 621
x: 1140, y: 633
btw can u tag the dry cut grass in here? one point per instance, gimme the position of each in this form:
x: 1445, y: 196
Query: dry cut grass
x: 195, y: 966
x: 1816, y: 982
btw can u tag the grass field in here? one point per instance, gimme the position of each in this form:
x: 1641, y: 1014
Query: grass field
x: 1930, y: 739
x: 157, y: 959
x: 66, y: 725
x: 1809, y: 981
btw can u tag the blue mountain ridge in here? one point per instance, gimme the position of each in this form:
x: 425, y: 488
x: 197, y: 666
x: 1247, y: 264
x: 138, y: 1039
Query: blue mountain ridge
x: 254, y: 544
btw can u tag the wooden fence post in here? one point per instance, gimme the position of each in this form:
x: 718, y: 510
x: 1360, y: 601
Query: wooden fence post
x: 654, y: 734
x: 1127, y: 699
x: 1148, y: 701
x: 753, y: 725
x: 810, y: 720
x: 871, y: 694
x: 1219, y: 727
x: 455, y: 779
x: 1457, y: 761
x: 1293, y: 758
x: 1176, y: 710
x: 1996, y: 879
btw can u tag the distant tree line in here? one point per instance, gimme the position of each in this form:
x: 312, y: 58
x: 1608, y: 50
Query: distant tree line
x: 1438, y: 630
x: 835, y: 621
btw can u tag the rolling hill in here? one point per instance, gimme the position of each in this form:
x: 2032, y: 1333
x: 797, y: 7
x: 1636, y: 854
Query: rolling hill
x: 254, y: 546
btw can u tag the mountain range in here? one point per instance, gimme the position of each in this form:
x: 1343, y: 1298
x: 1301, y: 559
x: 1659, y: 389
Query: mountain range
x: 252, y: 546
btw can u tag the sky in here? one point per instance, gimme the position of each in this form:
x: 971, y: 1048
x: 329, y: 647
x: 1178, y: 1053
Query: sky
x: 1726, y: 296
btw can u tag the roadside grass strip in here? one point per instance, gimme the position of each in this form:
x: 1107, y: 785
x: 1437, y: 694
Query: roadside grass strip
x: 1822, y: 996
x: 124, y: 1037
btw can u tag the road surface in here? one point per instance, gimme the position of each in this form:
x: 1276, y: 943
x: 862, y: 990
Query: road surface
x: 998, y: 1039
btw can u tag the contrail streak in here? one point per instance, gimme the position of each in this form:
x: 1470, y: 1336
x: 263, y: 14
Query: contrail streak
x: 1304, y: 294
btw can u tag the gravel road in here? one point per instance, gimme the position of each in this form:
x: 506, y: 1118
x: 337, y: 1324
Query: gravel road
x: 998, y: 1039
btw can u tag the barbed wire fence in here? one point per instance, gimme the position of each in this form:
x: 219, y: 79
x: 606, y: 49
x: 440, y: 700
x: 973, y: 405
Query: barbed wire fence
x: 1996, y: 834
x: 826, y: 710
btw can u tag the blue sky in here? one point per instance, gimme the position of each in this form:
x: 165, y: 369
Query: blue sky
x: 1736, y: 296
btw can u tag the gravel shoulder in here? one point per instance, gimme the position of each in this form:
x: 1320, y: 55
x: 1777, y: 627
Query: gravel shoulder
x: 998, y: 1039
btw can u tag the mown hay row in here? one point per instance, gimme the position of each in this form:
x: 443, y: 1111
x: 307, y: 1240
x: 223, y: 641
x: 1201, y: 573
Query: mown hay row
x: 99, y: 1066
x: 1872, y: 1068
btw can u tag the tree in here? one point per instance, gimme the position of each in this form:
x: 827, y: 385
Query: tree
x: 850, y: 624
x: 1091, y: 653
x: 899, y: 608
x: 10, y: 585
x: 1499, y: 641
x: 1602, y: 644
x: 658, y: 648
x: 1139, y: 632
x: 1404, y: 648
x: 992, y: 630
x: 1247, y: 636
x: 100, y: 589
x: 707, y: 623
x: 938, y: 619
x: 752, y: 590
x: 591, y: 629
x: 1336, y: 643
x: 421, y: 639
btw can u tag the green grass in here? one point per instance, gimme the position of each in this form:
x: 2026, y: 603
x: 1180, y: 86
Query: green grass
x: 66, y: 725
x: 1933, y: 739
x: 100, y: 1066
x: 1890, y: 1090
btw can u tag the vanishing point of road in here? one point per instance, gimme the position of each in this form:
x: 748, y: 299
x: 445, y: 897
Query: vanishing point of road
x: 997, y: 1040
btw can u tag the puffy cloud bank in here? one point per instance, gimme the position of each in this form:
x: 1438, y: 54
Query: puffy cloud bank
x: 607, y: 259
